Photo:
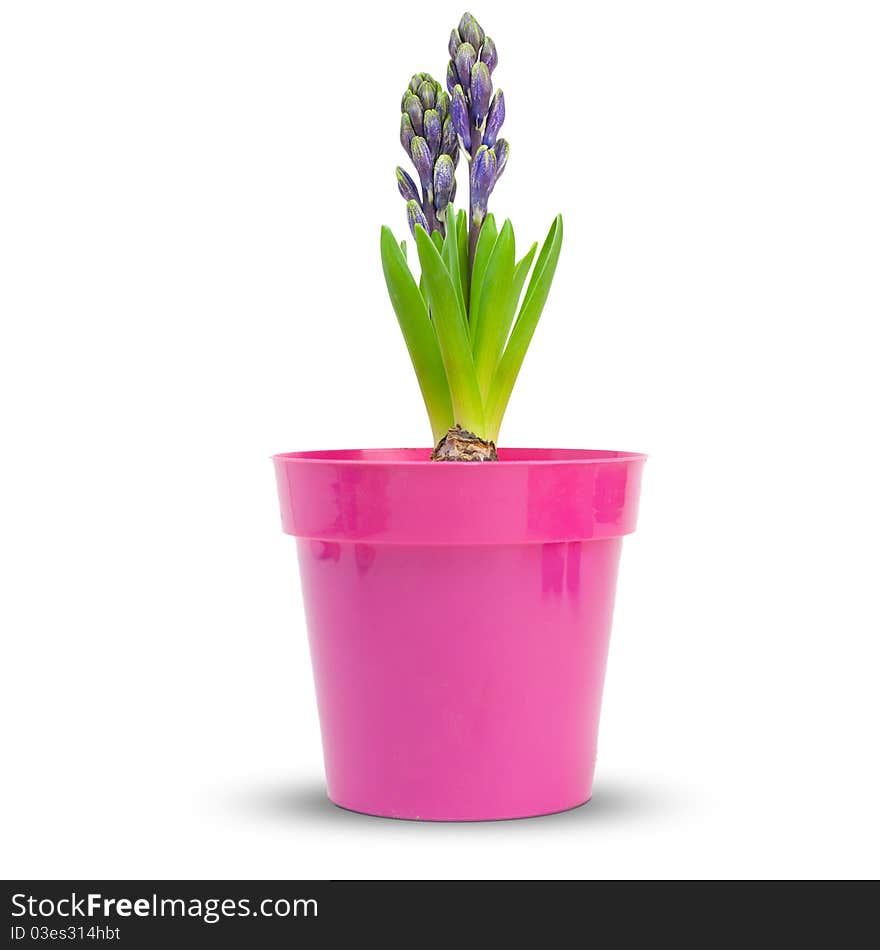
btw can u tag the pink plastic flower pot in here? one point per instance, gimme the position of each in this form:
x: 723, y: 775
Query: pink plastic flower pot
x: 459, y: 617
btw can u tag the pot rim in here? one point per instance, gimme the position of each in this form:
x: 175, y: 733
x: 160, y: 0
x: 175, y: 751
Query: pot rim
x: 399, y: 496
x: 507, y: 456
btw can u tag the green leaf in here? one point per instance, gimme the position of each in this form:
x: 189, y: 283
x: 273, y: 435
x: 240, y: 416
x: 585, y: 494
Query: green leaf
x: 461, y: 226
x: 451, y: 257
x: 523, y: 330
x: 418, y: 332
x: 485, y: 244
x: 494, y: 302
x: 449, y: 321
x: 403, y: 249
x: 520, y: 272
x: 437, y: 238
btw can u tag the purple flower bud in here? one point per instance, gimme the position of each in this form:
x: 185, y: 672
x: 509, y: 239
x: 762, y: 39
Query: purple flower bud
x: 406, y: 132
x: 421, y: 156
x: 451, y: 77
x: 443, y: 104
x: 413, y: 108
x: 428, y: 94
x: 449, y: 137
x: 471, y: 31
x: 433, y: 131
x: 461, y: 119
x: 481, y: 92
x: 465, y: 58
x: 406, y: 186
x: 502, y: 153
x: 489, y: 55
x: 495, y: 119
x: 444, y: 178
x: 415, y: 82
x: 482, y: 181
x: 483, y: 168
x: 409, y: 91
x: 454, y: 43
x: 415, y: 216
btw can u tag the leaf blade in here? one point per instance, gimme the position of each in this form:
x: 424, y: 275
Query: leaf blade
x: 520, y: 272
x: 524, y: 328
x: 451, y: 258
x: 464, y: 269
x: 494, y: 300
x: 485, y: 243
x: 418, y: 334
x: 449, y: 322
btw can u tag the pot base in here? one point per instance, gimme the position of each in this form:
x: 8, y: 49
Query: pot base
x: 462, y: 820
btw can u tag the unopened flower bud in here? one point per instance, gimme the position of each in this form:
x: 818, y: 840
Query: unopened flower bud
x: 451, y: 77
x: 428, y: 94
x: 449, y: 137
x: 406, y: 186
x: 454, y: 43
x: 444, y: 179
x: 465, y: 57
x: 415, y: 216
x: 443, y: 104
x: 406, y: 133
x: 502, y: 153
x: 413, y: 108
x: 482, y: 180
x: 470, y: 31
x: 460, y: 114
x: 433, y: 131
x: 481, y: 92
x: 489, y: 54
x: 421, y: 156
x: 495, y: 119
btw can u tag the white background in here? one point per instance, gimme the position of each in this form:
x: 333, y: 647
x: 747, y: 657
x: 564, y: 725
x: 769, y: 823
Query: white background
x: 191, y: 197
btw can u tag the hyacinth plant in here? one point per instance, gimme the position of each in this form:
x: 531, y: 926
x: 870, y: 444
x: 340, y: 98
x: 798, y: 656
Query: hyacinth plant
x: 466, y: 321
